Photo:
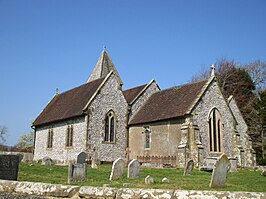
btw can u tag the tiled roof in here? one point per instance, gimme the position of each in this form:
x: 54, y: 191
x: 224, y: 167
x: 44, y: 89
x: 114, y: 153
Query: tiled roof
x: 132, y: 93
x: 170, y: 103
x: 68, y: 104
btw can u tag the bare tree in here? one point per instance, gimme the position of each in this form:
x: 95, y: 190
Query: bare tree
x: 3, y: 132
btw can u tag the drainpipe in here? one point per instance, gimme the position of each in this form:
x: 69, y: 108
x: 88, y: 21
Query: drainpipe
x: 127, y: 126
x: 34, y: 138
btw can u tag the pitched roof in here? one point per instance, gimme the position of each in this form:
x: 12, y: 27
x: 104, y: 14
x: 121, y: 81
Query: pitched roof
x: 103, y: 67
x: 169, y: 103
x: 132, y: 93
x: 68, y: 104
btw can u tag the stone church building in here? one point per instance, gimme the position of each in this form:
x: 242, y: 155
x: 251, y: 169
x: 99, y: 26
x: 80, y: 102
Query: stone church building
x: 171, y: 126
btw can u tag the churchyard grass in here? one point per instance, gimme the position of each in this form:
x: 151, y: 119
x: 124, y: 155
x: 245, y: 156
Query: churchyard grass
x: 242, y: 180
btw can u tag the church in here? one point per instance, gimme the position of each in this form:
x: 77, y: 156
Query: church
x: 170, y: 126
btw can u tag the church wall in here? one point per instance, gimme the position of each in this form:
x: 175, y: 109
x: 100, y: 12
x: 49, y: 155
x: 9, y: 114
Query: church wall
x: 59, y: 152
x: 213, y: 98
x: 152, y: 88
x: 244, y: 144
x: 110, y: 97
x: 165, y: 137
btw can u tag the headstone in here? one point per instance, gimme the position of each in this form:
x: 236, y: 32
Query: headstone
x: 76, y: 172
x: 117, y: 169
x: 219, y: 173
x: 127, y: 185
x: 188, y: 168
x: 28, y: 157
x: 233, y: 164
x: 94, y: 159
x: 133, y: 169
x: 47, y: 161
x: 81, y: 159
x: 165, y: 180
x: 149, y: 180
x: 9, y: 167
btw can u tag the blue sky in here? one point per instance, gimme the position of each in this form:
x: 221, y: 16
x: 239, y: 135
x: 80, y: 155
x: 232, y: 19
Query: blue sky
x: 48, y: 44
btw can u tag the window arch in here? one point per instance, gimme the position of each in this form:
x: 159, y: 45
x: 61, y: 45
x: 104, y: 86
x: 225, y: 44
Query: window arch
x: 110, y: 127
x: 215, y: 131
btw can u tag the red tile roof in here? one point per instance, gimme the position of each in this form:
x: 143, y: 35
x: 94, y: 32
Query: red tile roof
x: 68, y: 104
x: 170, y: 103
x: 132, y: 93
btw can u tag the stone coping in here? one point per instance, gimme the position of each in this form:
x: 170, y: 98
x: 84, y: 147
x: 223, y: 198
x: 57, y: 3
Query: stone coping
x: 11, y: 189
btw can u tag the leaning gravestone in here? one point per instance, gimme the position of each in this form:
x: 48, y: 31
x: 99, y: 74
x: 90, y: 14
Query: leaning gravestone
x: 219, y: 172
x: 47, y: 161
x: 81, y: 159
x: 188, y: 168
x: 9, y: 167
x: 149, y: 180
x: 133, y: 169
x: 76, y: 172
x: 117, y: 169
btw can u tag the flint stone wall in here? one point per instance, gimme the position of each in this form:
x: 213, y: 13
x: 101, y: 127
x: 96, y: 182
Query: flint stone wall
x: 23, y: 190
x: 59, y: 153
x: 214, y: 98
x: 110, y: 97
x: 152, y: 88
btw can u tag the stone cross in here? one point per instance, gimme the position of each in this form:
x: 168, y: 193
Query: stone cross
x: 127, y: 152
x: 213, y: 70
x: 219, y: 173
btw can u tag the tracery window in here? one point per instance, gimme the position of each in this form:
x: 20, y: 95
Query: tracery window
x: 50, y: 138
x: 110, y: 127
x: 147, y: 137
x: 69, y: 136
x: 215, y: 130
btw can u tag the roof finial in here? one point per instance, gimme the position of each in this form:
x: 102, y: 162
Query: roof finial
x: 56, y: 91
x: 213, y: 70
x: 104, y: 48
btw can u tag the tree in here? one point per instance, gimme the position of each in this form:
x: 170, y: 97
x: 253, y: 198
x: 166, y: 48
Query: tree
x: 3, y: 132
x: 25, y: 140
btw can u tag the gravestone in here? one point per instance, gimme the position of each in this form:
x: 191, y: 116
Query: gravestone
x: 149, y: 180
x: 165, y: 180
x: 81, y: 159
x: 76, y: 172
x: 127, y: 152
x: 47, y: 161
x: 133, y: 169
x: 94, y: 160
x: 188, y: 168
x: 117, y: 169
x: 9, y: 167
x: 219, y: 173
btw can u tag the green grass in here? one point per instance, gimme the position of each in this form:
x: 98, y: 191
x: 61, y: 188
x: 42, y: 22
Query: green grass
x: 242, y: 180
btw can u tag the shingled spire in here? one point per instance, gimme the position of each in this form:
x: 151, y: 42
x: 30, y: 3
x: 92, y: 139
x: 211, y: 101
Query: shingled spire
x: 103, y: 67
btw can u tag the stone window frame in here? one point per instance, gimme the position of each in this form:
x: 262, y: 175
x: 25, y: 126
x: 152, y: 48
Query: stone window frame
x: 147, y: 131
x: 110, y: 117
x: 69, y: 136
x: 50, y: 137
x: 215, y: 138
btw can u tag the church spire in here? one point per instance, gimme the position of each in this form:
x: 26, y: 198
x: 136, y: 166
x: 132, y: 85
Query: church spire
x: 103, y: 67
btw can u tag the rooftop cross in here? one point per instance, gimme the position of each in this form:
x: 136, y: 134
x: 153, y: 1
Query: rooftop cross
x: 213, y: 70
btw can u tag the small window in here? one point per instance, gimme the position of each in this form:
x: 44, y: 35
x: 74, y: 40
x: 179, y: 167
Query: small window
x: 110, y: 127
x: 50, y: 138
x: 69, y: 136
x: 147, y: 137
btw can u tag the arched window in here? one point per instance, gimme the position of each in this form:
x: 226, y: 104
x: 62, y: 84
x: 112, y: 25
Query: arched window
x: 215, y: 130
x: 110, y: 127
x: 69, y: 136
x: 50, y: 138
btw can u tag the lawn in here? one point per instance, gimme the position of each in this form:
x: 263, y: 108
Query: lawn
x: 242, y: 180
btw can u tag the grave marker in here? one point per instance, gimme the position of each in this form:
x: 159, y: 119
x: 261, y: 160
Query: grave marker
x: 219, y: 173
x: 188, y: 168
x: 133, y: 169
x: 76, y: 172
x: 117, y: 169
x: 81, y: 159
x: 9, y: 167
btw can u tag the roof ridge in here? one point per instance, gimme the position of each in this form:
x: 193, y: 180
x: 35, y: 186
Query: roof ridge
x: 135, y: 87
x: 81, y: 85
x: 187, y: 84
